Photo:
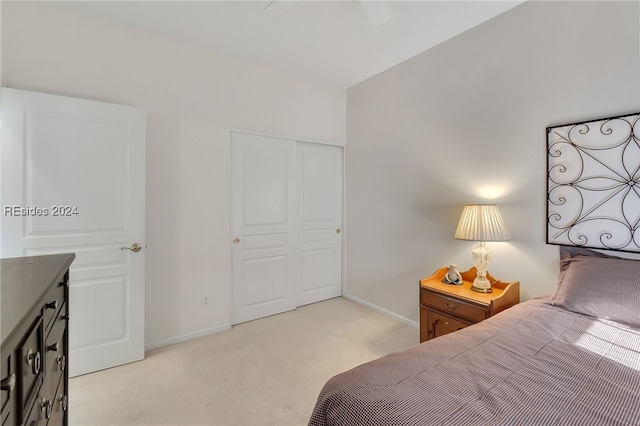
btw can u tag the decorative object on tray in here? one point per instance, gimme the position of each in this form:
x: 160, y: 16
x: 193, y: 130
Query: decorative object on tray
x: 481, y: 223
x: 593, y: 184
x: 452, y: 276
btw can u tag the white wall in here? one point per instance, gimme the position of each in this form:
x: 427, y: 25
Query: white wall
x: 465, y: 122
x: 193, y: 96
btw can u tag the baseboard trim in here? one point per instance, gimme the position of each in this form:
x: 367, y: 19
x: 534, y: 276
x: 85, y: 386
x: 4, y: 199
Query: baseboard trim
x: 383, y: 311
x: 186, y: 337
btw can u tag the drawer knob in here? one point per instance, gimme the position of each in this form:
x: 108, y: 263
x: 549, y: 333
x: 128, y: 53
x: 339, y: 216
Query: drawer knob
x: 33, y: 359
x: 8, y: 383
x: 46, y: 406
x: 61, y: 360
x: 52, y: 305
x: 53, y: 347
x: 451, y: 306
x: 64, y: 401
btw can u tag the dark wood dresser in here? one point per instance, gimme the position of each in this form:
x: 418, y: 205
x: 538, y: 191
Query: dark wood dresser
x: 34, y: 294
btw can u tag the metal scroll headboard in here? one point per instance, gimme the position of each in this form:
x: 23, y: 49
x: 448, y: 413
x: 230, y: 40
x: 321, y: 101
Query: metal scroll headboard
x: 593, y: 184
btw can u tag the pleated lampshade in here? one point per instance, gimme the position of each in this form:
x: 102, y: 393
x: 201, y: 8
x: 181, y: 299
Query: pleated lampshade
x: 481, y: 222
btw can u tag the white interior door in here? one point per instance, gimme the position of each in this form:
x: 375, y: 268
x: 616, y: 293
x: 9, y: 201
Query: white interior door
x: 73, y: 176
x: 264, y: 255
x: 319, y: 180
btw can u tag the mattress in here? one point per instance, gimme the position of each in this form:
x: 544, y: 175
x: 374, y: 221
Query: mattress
x: 533, y: 364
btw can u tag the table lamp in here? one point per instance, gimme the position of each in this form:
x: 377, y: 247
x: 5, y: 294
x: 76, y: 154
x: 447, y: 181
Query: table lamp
x: 481, y: 223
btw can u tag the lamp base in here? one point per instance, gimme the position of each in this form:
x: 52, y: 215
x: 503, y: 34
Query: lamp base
x: 481, y: 285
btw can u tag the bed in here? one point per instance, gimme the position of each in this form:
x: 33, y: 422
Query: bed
x: 570, y: 359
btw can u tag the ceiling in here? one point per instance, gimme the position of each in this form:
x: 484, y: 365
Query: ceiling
x: 338, y: 42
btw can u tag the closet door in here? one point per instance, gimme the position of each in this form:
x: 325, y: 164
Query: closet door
x: 286, y: 201
x: 264, y: 255
x: 319, y: 182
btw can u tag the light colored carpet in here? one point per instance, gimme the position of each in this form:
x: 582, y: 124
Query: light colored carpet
x: 264, y: 372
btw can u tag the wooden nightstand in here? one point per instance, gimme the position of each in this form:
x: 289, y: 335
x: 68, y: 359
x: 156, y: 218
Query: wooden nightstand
x: 445, y: 308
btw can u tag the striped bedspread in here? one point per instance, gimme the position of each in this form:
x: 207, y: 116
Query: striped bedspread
x: 533, y: 364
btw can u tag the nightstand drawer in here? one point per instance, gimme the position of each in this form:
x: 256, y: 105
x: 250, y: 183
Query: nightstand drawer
x: 455, y: 307
x: 439, y: 324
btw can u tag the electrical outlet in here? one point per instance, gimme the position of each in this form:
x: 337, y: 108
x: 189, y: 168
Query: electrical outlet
x: 205, y: 300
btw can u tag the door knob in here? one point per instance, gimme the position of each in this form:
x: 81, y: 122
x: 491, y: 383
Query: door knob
x: 236, y: 240
x: 134, y: 248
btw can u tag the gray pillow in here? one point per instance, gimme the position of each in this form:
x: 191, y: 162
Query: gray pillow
x: 599, y: 285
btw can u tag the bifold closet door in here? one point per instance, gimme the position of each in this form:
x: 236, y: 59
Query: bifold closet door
x: 286, y: 201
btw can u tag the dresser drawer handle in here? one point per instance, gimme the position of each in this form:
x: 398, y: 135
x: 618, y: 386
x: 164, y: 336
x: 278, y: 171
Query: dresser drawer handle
x: 33, y: 359
x: 62, y: 361
x: 55, y: 347
x: 47, y: 407
x: 9, y: 383
x: 52, y: 305
x: 451, y: 306
x: 63, y: 402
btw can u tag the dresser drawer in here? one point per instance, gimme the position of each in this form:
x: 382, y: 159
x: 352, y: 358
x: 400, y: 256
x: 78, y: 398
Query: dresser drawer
x: 59, y: 403
x: 455, y: 307
x: 53, y: 303
x: 55, y: 358
x: 30, y: 363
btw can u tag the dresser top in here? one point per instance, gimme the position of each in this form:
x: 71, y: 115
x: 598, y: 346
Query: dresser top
x: 24, y: 282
